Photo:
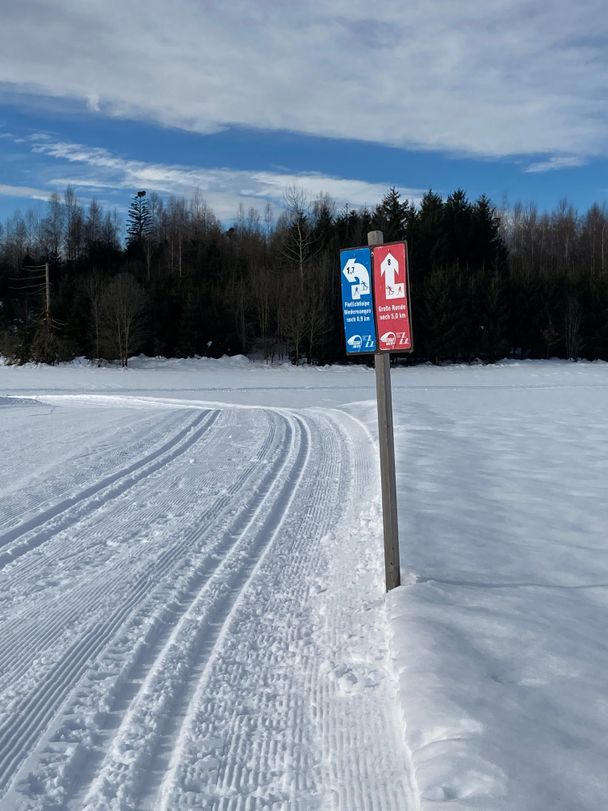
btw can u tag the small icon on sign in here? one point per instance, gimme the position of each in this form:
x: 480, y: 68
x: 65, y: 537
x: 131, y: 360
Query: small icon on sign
x: 355, y: 341
x: 396, y: 291
x: 389, y: 338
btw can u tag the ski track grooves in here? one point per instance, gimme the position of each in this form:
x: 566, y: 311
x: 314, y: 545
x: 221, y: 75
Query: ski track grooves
x: 51, y: 626
x: 257, y: 699
x: 225, y: 675
x: 98, y: 446
x: 62, y: 515
x: 20, y: 734
x: 226, y: 613
x: 21, y: 731
x: 170, y: 679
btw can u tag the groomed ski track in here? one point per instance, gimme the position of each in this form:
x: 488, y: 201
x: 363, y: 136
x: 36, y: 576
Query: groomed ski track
x: 193, y: 617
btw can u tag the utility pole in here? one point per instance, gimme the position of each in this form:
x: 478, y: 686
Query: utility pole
x: 386, y: 442
x: 47, y: 289
x: 37, y: 283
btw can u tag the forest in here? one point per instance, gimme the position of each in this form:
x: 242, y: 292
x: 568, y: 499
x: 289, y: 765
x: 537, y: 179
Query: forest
x: 172, y: 280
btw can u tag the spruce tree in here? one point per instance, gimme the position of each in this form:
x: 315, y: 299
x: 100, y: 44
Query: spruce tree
x: 392, y: 216
x: 458, y: 229
x: 139, y: 220
x: 487, y: 249
x: 427, y: 238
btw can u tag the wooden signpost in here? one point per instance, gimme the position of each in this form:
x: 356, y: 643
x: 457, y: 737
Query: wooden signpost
x: 393, y: 324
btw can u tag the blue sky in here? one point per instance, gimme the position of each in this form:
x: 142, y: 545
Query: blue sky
x: 241, y: 101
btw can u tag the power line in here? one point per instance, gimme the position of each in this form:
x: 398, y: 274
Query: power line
x: 34, y: 285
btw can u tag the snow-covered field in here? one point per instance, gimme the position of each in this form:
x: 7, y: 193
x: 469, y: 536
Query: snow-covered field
x: 192, y: 611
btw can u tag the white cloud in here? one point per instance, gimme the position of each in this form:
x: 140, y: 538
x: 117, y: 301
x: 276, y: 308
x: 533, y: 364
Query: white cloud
x: 507, y: 77
x: 27, y: 192
x: 224, y: 189
x: 558, y: 162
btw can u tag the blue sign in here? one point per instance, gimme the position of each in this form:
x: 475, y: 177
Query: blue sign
x: 357, y: 307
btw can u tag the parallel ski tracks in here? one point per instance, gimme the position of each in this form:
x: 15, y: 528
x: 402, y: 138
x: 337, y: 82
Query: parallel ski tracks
x: 164, y: 682
x: 71, y: 509
x: 28, y: 721
x: 94, y: 456
x: 215, y: 678
x: 20, y: 731
x: 22, y: 636
x: 262, y: 678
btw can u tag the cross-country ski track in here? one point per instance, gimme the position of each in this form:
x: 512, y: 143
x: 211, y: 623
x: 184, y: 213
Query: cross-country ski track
x: 192, y: 613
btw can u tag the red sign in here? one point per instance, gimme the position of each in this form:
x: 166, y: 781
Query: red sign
x: 391, y: 297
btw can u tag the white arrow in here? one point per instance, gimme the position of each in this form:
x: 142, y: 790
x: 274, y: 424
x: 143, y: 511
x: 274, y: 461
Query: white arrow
x: 389, y: 269
x: 355, y: 271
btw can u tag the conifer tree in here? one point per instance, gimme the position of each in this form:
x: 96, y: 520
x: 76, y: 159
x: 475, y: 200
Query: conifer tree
x: 392, y: 216
x: 139, y: 220
x: 488, y: 249
x: 458, y: 229
x: 427, y: 247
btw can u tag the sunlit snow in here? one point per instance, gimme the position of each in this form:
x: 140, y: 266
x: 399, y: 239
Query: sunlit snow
x: 192, y: 611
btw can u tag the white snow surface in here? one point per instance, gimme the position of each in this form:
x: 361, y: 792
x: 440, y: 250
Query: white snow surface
x: 192, y: 612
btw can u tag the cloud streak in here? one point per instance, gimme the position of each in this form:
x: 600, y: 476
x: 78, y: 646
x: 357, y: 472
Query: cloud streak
x: 512, y: 77
x: 27, y: 192
x: 224, y: 189
x: 554, y: 163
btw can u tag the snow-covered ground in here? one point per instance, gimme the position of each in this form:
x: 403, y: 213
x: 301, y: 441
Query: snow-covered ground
x: 192, y: 611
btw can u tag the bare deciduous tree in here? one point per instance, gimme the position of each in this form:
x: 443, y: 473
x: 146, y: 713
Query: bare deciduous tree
x: 122, y: 310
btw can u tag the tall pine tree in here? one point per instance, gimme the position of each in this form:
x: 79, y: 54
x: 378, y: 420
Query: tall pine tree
x: 392, y: 216
x: 139, y: 221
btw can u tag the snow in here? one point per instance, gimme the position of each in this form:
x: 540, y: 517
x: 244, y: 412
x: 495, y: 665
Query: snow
x: 192, y: 612
x: 504, y: 533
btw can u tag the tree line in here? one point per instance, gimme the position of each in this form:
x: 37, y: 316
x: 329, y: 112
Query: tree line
x: 484, y: 283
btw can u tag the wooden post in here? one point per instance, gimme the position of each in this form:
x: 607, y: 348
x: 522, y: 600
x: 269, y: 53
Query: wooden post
x: 386, y: 440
